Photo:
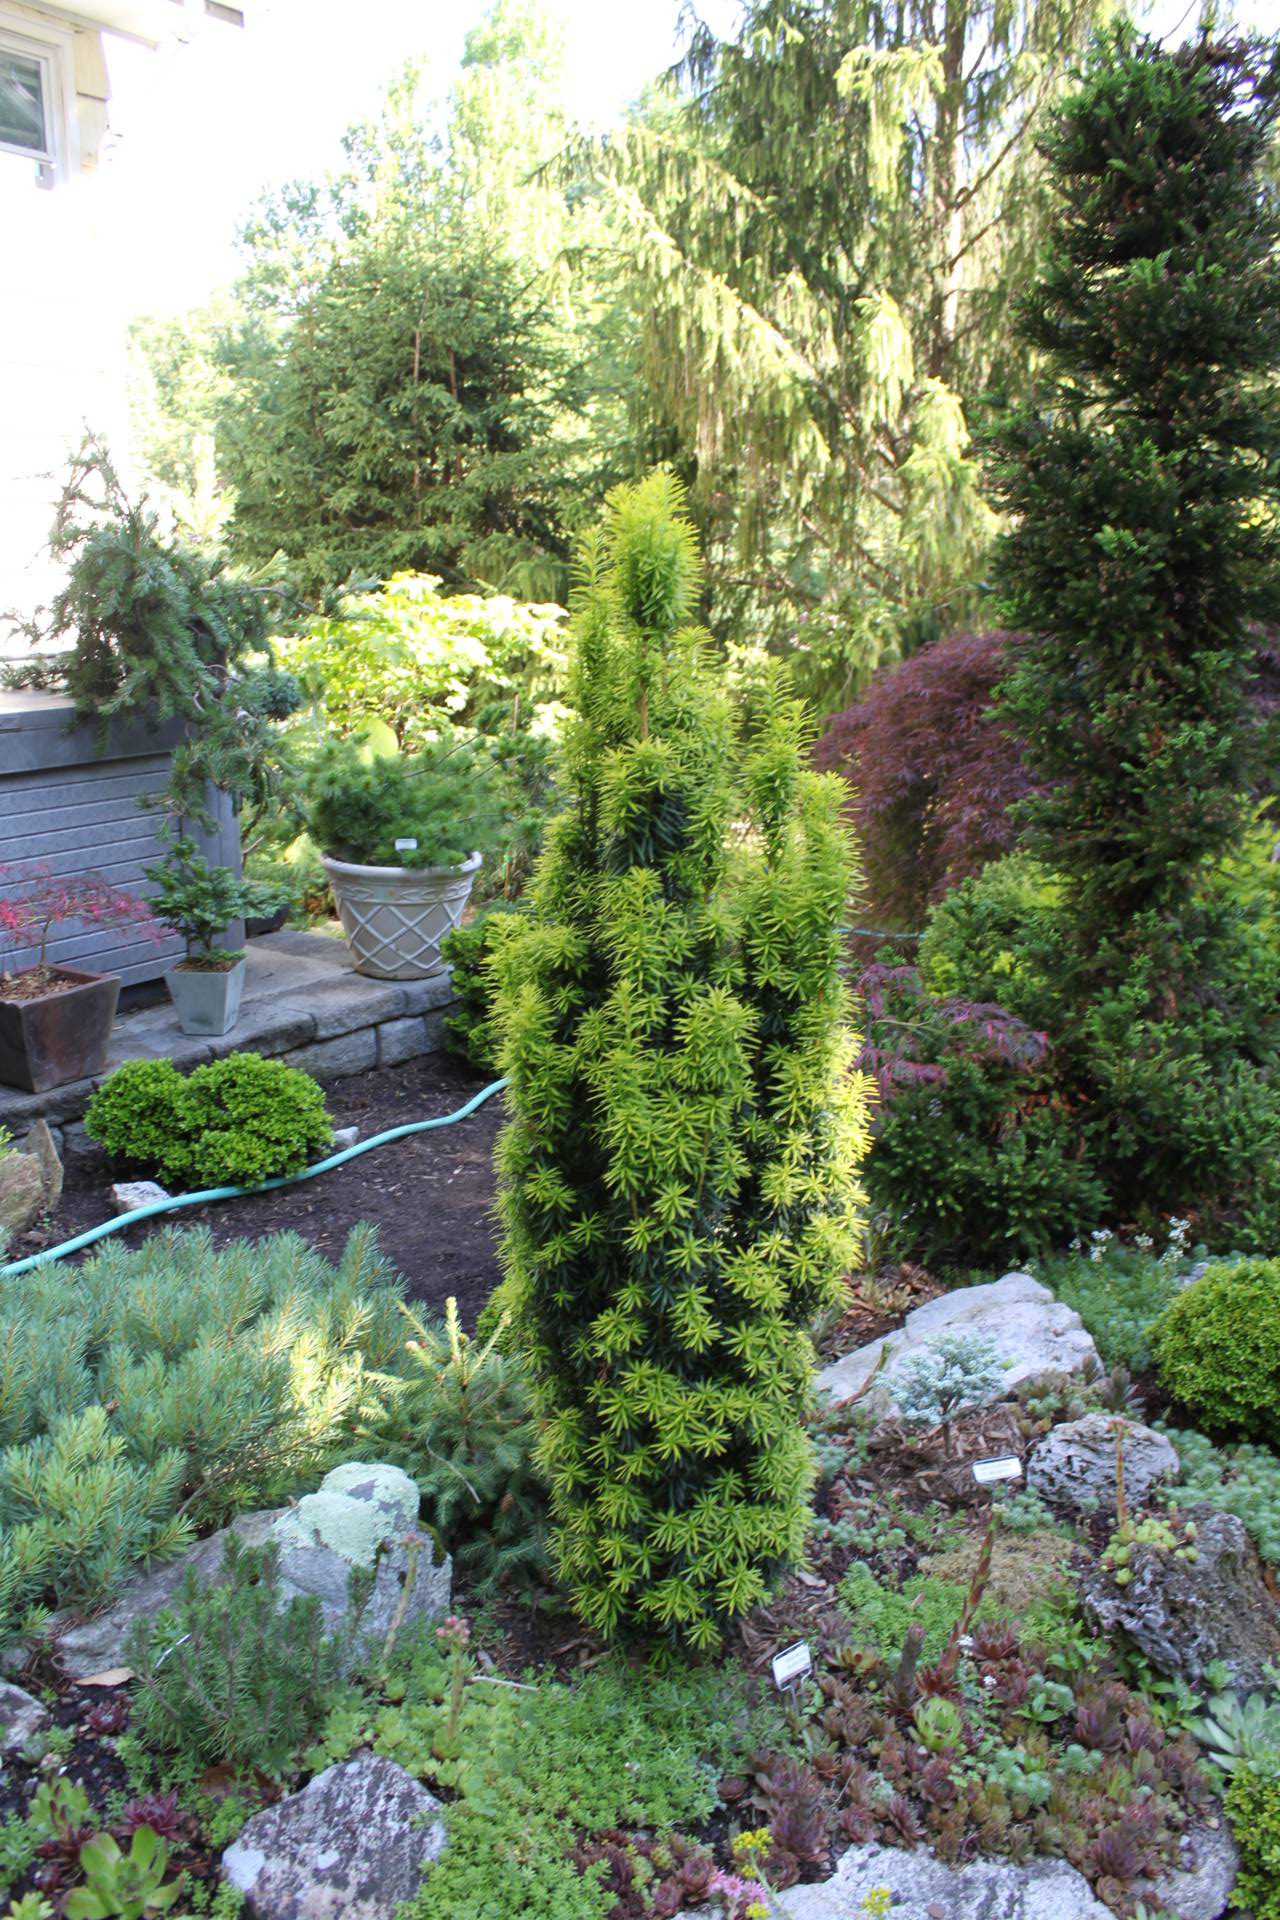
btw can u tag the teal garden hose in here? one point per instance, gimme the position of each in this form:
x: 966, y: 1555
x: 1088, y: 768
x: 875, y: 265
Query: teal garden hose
x: 155, y: 1208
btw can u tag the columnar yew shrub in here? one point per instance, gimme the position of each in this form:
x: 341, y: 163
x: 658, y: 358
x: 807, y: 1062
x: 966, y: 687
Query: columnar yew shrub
x: 1145, y: 483
x: 1144, y: 480
x: 678, y: 1176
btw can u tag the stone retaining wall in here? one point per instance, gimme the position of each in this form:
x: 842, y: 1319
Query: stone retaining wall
x: 303, y: 1004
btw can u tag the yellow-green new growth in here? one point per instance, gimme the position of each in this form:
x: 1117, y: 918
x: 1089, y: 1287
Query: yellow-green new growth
x: 679, y: 1175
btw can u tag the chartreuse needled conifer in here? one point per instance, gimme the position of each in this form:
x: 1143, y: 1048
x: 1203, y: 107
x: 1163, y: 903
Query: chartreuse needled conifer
x: 679, y: 1173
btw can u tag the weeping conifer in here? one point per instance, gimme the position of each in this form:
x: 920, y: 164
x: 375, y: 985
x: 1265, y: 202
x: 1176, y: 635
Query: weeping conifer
x: 678, y: 1177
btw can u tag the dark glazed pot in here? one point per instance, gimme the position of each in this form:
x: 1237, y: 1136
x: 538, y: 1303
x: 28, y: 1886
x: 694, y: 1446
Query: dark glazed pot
x: 61, y: 1036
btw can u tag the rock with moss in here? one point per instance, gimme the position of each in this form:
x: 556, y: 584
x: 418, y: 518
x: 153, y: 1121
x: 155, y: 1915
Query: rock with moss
x: 361, y: 1517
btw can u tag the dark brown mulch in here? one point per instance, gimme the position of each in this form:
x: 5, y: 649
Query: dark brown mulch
x: 430, y: 1196
x: 37, y: 983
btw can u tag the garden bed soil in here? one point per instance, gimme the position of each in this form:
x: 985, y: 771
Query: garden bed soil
x: 430, y: 1197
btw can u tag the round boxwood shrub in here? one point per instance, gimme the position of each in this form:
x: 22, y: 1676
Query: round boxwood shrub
x: 1217, y: 1349
x: 133, y: 1114
x: 235, y: 1122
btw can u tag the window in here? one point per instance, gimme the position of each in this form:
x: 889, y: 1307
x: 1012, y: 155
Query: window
x: 26, y: 102
x: 37, y: 97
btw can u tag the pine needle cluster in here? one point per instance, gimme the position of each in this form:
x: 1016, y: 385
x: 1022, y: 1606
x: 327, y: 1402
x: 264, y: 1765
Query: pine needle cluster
x: 461, y: 1420
x: 146, y: 1395
x: 679, y: 1175
x: 229, y: 1675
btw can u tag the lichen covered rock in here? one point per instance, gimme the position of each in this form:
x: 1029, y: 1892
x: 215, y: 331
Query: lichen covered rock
x: 351, y: 1846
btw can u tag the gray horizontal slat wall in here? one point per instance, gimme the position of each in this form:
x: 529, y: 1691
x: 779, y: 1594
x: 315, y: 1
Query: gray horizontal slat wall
x: 75, y: 809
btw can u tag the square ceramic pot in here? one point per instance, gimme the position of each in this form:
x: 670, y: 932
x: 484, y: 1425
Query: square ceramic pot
x: 60, y: 1036
x: 207, y: 1000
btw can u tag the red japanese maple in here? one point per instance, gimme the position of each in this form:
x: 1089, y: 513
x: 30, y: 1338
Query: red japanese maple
x: 35, y: 900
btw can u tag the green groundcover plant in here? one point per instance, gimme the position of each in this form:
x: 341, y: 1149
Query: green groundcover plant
x: 1253, y: 1808
x: 678, y: 1178
x: 235, y: 1122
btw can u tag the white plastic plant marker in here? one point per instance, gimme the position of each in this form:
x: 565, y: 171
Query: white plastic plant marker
x: 1004, y: 1466
x: 406, y: 846
x: 792, y: 1665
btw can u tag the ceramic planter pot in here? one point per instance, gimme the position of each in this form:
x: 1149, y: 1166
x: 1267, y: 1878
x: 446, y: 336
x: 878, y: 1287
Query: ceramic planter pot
x: 395, y: 917
x: 258, y: 925
x: 207, y: 1001
x: 60, y: 1036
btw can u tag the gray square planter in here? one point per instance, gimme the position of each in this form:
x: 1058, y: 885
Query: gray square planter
x: 207, y: 1002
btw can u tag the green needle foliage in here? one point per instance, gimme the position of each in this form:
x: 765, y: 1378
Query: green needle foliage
x: 679, y: 1175
x: 1143, y: 480
x: 229, y: 1674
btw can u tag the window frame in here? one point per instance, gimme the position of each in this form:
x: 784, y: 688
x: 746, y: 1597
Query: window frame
x: 52, y: 49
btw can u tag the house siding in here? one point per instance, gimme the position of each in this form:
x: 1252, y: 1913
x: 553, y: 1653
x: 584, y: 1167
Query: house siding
x: 75, y: 807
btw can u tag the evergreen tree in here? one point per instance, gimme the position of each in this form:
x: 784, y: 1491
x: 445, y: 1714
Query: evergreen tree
x: 413, y: 371
x: 678, y: 1174
x: 1144, y: 483
x: 402, y: 421
x: 824, y: 234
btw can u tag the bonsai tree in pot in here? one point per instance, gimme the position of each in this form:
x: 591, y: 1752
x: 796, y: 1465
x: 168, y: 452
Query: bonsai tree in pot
x: 55, y: 1021
x: 199, y: 901
x: 402, y: 838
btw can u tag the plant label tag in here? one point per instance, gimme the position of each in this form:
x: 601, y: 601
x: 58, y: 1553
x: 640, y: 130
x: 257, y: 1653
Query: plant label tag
x: 1003, y: 1466
x: 792, y: 1665
x: 407, y: 846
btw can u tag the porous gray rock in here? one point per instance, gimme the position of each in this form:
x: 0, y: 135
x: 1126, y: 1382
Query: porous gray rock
x: 21, y: 1192
x: 922, y: 1888
x: 1185, y: 1614
x: 128, y: 1195
x: 1201, y: 1887
x: 352, y: 1845
x: 360, y: 1514
x: 1074, y: 1466
x: 20, y: 1718
x: 1032, y: 1332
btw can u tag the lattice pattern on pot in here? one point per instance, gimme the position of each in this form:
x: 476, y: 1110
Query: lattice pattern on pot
x: 395, y: 941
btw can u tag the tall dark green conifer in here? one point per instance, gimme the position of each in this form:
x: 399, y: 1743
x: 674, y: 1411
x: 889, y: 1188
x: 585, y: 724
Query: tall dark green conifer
x: 678, y: 1176
x: 1145, y: 481
x: 822, y: 235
